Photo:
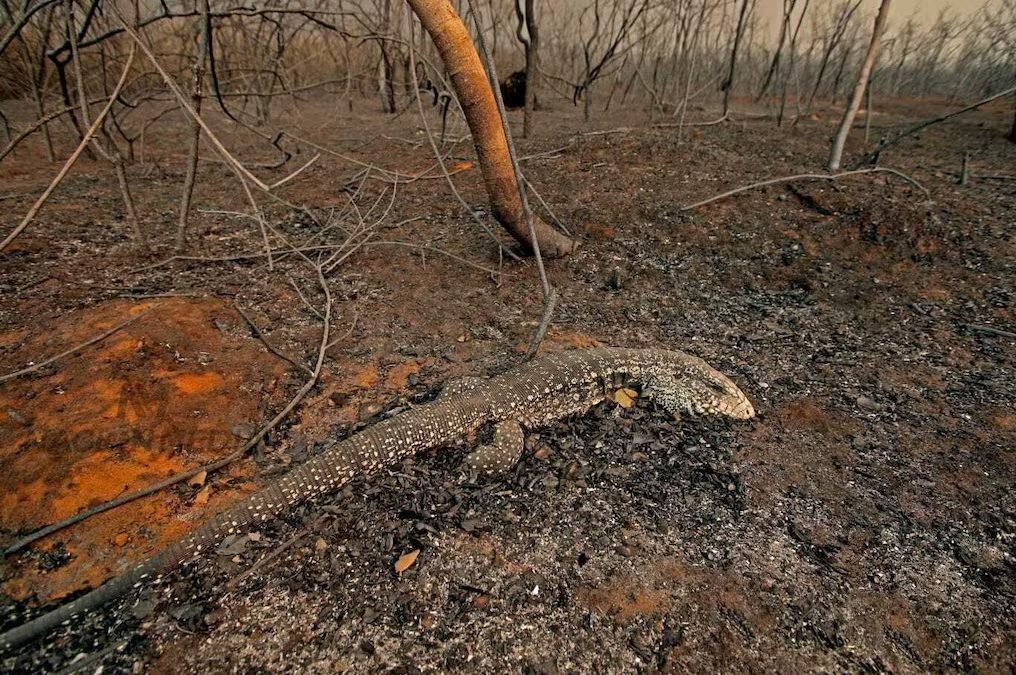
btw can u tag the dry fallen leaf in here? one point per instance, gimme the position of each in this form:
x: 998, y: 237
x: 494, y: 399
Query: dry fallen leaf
x: 198, y: 478
x: 201, y: 498
x: 406, y: 561
x: 625, y: 397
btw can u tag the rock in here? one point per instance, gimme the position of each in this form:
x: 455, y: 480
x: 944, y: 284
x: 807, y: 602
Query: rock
x: 18, y: 417
x: 866, y: 403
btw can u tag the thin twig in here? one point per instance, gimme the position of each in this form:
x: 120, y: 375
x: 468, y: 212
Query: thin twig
x: 990, y: 331
x: 264, y: 340
x: 65, y: 169
x: 546, y: 207
x: 807, y: 176
x: 234, y: 163
x: 306, y: 302
x: 87, y: 343
x: 41, y: 122
x: 874, y: 155
x: 311, y: 249
x: 548, y: 311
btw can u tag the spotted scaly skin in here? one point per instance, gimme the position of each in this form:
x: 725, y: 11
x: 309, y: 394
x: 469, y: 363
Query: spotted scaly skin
x: 533, y: 395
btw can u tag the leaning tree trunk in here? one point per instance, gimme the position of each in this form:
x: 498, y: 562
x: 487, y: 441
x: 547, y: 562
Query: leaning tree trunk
x: 836, y: 156
x: 473, y: 90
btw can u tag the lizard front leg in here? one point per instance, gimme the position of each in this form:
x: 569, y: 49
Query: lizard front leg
x: 503, y: 453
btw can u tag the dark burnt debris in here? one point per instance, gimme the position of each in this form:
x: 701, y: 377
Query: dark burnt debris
x: 513, y: 90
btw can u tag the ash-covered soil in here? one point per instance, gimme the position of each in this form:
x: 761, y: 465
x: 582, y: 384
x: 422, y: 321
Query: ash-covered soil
x: 862, y: 522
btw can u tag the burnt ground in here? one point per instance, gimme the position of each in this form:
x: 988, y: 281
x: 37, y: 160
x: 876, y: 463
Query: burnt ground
x: 863, y: 521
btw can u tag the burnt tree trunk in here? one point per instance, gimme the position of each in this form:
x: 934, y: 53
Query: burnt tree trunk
x: 836, y: 155
x: 728, y: 83
x: 532, y: 67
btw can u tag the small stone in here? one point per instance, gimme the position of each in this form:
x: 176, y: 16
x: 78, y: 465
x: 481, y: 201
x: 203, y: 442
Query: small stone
x: 542, y: 452
x: 626, y: 551
x: 18, y: 417
x: 320, y: 545
x: 481, y: 601
x: 121, y: 539
x: 867, y: 404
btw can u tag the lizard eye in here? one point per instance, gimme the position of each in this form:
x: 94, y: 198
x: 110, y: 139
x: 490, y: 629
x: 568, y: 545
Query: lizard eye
x: 716, y: 387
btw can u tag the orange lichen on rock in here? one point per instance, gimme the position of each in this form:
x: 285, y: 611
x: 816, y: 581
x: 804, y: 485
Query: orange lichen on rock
x: 160, y: 396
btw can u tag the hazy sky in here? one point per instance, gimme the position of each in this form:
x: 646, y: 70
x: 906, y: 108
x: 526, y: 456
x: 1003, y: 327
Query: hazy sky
x: 900, y: 10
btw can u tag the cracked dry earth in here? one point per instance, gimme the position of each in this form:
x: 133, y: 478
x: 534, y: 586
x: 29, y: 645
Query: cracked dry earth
x: 863, y: 522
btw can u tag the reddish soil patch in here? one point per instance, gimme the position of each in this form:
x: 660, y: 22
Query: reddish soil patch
x: 166, y: 393
x: 622, y: 602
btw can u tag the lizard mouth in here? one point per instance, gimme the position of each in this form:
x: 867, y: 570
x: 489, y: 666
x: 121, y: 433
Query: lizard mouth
x: 742, y: 410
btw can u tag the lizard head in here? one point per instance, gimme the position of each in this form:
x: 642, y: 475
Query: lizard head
x: 693, y: 386
x: 718, y: 395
